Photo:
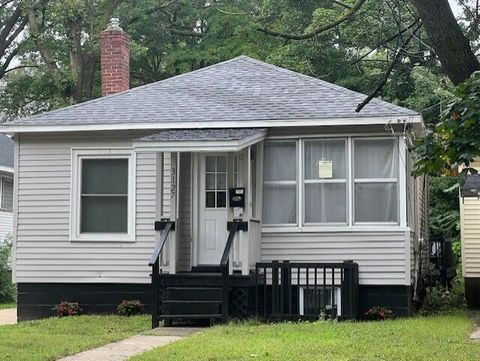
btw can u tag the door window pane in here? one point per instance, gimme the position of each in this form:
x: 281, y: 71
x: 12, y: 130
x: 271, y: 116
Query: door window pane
x: 375, y: 158
x: 280, y: 204
x: 376, y: 202
x: 210, y: 183
x: 325, y: 202
x: 325, y: 150
x: 215, y: 181
x: 210, y: 199
x: 104, y: 196
x: 221, y: 199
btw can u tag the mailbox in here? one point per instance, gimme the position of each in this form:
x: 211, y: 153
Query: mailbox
x: 237, y: 197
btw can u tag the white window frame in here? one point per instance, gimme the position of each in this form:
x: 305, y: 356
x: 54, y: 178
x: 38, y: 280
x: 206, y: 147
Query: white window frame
x: 305, y: 181
x: 298, y: 193
x: 2, y: 178
x: 301, y: 226
x: 375, y: 180
x: 78, y: 154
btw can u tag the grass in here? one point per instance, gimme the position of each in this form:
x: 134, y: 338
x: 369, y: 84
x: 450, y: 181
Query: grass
x: 428, y: 338
x: 4, y: 306
x: 53, y: 338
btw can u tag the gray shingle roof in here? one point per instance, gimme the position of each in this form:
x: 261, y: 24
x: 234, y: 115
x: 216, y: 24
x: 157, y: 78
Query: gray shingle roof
x: 6, y: 151
x: 202, y: 135
x: 471, y: 187
x: 240, y: 89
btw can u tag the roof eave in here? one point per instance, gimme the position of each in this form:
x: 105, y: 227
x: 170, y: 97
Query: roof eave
x: 415, y: 120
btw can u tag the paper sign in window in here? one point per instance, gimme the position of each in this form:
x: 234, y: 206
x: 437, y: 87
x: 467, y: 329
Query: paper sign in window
x: 325, y: 169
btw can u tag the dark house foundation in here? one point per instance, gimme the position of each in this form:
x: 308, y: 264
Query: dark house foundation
x: 472, y: 292
x: 36, y: 300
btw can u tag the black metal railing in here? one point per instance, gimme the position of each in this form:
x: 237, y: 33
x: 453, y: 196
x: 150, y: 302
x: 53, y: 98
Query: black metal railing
x: 165, y: 227
x: 442, y: 257
x: 225, y: 266
x: 293, y: 291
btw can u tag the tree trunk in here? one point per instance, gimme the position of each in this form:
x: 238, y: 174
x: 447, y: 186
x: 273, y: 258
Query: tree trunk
x: 447, y: 39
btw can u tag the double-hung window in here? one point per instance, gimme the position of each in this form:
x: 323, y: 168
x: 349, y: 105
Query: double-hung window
x: 325, y: 181
x: 280, y: 183
x: 7, y: 193
x: 102, y: 197
x: 375, y: 168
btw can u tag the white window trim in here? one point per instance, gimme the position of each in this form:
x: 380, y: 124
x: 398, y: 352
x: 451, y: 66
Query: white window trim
x: 295, y: 182
x: 350, y: 225
x: 101, y: 153
x: 304, y: 181
x: 338, y: 298
x: 2, y: 208
x: 376, y: 180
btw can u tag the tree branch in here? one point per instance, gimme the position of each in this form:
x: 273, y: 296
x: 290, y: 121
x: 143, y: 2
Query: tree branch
x: 6, y: 63
x: 42, y: 48
x: 151, y: 11
x: 349, y: 14
x: 398, y: 56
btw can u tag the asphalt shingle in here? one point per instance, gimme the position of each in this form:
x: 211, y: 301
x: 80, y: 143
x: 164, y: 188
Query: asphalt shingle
x: 241, y: 89
x: 202, y: 135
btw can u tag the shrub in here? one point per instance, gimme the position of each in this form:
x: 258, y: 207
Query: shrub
x: 66, y: 308
x: 130, y: 308
x: 378, y: 313
x: 441, y: 300
x: 8, y: 290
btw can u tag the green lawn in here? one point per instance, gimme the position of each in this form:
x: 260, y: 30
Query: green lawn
x: 7, y: 305
x: 53, y: 338
x: 442, y: 338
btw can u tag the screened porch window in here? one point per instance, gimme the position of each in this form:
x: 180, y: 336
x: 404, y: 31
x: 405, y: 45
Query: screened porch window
x: 104, y: 197
x: 325, y: 181
x: 280, y: 183
x: 348, y: 181
x: 375, y: 181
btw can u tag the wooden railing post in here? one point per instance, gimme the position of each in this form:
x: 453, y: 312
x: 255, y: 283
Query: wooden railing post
x: 225, y: 293
x: 155, y: 293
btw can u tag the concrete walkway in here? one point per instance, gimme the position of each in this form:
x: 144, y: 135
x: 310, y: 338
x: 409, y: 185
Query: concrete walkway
x: 123, y: 350
x: 475, y: 335
x: 8, y: 316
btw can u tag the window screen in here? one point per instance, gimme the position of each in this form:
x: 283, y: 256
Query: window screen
x: 280, y: 183
x: 104, y: 196
x: 7, y: 193
x: 325, y: 181
x: 376, y: 180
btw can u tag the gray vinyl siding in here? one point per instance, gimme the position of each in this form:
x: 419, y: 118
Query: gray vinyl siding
x: 381, y: 256
x: 44, y: 252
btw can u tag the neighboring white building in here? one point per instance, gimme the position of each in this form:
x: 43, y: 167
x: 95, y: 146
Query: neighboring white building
x: 310, y: 180
x: 6, y: 186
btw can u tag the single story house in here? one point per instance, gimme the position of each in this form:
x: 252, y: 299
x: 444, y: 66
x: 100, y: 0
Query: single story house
x: 237, y: 188
x: 6, y: 186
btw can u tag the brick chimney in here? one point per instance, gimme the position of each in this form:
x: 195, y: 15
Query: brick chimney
x: 115, y: 59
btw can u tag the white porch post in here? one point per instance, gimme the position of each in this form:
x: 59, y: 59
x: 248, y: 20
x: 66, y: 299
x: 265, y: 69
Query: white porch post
x: 172, y: 249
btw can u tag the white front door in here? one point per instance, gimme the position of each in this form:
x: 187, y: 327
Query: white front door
x: 213, y: 208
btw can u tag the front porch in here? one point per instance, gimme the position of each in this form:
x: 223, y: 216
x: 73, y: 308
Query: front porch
x: 207, y: 259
